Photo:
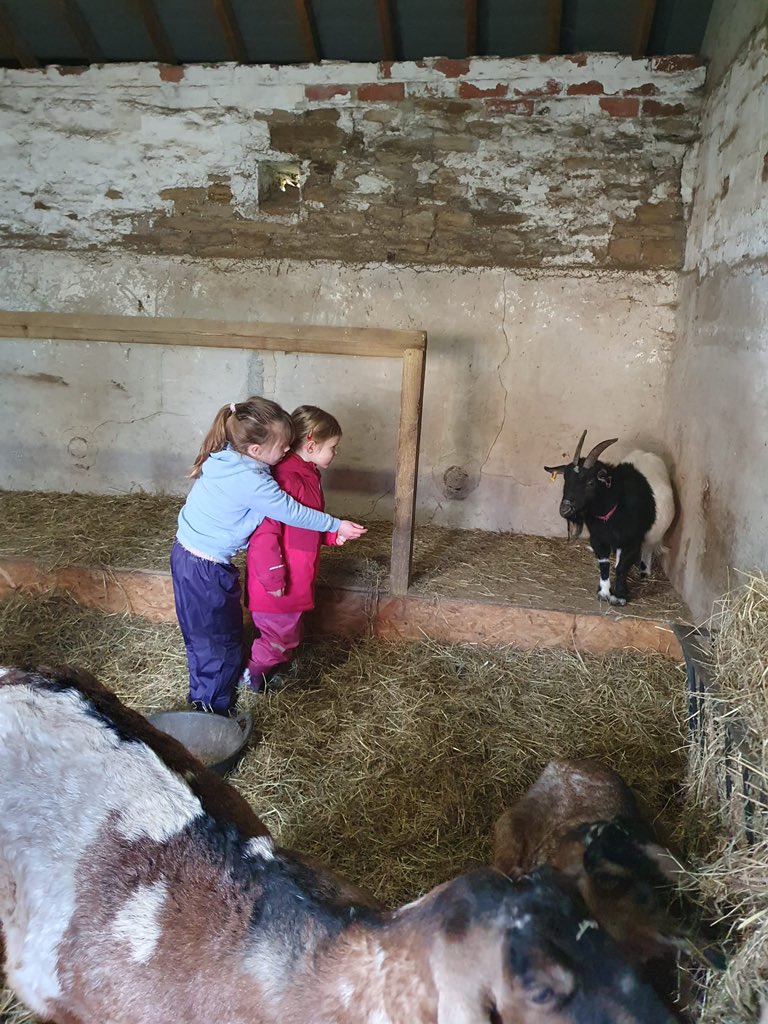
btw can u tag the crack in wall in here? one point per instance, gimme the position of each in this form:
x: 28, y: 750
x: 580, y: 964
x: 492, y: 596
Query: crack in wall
x: 498, y: 372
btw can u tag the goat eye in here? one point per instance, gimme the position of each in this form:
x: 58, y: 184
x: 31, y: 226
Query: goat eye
x: 541, y: 995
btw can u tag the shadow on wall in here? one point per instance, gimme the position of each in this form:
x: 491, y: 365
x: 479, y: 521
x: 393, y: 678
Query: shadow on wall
x: 371, y: 482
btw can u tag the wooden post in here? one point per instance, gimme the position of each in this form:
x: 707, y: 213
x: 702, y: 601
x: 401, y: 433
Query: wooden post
x: 411, y: 393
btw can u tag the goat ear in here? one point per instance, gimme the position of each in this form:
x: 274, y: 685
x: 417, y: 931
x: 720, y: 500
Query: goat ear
x: 555, y: 470
x: 689, y: 930
x: 602, y: 475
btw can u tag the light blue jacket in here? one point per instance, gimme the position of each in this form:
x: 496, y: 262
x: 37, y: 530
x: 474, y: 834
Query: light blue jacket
x: 228, y: 501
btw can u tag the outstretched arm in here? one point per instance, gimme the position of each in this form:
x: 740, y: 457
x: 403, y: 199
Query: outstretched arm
x: 276, y: 504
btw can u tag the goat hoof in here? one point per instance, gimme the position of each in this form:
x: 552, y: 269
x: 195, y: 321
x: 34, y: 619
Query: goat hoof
x: 602, y: 595
x: 618, y: 600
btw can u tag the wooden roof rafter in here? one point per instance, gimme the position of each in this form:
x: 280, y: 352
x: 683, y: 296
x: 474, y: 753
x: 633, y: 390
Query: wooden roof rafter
x: 470, y: 27
x: 14, y: 43
x: 154, y: 29
x: 81, y: 30
x: 386, y: 29
x: 307, y: 30
x: 643, y: 30
x: 555, y: 21
x: 230, y: 28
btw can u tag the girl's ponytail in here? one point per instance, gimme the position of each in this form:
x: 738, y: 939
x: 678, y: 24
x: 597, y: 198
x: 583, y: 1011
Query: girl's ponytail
x: 241, y: 424
x: 215, y: 440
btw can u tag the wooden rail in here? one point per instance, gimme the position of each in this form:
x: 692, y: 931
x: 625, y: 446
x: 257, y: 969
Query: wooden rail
x: 410, y: 346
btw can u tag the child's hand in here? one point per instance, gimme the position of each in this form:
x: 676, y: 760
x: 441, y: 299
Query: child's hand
x: 276, y: 593
x: 349, y: 531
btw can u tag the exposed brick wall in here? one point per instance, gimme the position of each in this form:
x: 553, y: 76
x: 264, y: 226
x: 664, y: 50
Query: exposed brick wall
x: 562, y: 162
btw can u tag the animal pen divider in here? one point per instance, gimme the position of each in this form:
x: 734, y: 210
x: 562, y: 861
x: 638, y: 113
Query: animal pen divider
x: 410, y: 346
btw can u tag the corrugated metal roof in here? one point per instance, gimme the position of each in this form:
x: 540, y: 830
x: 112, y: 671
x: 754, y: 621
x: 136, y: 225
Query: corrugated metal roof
x: 295, y: 31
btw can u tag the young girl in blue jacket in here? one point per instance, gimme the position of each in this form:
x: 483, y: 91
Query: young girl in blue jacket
x: 233, y: 492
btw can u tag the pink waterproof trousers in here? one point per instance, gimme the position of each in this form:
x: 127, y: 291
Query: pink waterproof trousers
x: 280, y: 635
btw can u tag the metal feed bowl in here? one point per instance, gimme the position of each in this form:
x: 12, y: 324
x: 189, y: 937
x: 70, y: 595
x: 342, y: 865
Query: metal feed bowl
x: 218, y: 742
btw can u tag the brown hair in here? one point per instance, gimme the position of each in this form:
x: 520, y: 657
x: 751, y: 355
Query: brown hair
x: 311, y: 423
x: 240, y: 424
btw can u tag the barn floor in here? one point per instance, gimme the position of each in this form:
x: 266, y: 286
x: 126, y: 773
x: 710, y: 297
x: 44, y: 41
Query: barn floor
x: 479, y: 565
x: 391, y: 761
x: 136, y: 531
x: 388, y: 760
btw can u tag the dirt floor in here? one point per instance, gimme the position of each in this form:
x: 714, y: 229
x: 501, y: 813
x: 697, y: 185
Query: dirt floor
x: 136, y: 532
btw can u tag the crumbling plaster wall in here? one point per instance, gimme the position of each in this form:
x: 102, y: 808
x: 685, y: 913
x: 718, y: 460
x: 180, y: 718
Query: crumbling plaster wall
x: 528, y: 214
x: 718, y: 385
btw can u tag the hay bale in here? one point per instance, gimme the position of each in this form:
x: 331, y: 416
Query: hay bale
x: 733, y: 874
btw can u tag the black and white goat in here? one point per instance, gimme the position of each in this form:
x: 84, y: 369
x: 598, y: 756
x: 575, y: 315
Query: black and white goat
x: 627, y: 509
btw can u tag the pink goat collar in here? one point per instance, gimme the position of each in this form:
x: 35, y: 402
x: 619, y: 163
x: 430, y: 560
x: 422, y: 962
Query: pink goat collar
x: 608, y: 515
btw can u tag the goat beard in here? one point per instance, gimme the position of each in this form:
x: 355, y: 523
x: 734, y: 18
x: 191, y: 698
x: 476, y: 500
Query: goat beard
x: 575, y: 526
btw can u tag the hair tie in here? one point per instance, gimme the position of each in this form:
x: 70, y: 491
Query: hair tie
x: 232, y: 408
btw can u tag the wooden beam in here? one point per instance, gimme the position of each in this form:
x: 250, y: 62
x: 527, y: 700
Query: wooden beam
x: 410, y: 346
x: 470, y: 27
x: 183, y: 331
x: 554, y: 24
x: 14, y: 44
x: 643, y: 28
x: 343, y: 611
x: 411, y: 395
x: 307, y: 30
x: 231, y: 30
x: 385, y: 28
x: 156, y: 32
x: 81, y: 30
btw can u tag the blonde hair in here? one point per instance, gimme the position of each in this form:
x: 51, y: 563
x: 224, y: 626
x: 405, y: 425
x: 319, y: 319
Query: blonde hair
x: 313, y: 424
x: 240, y: 424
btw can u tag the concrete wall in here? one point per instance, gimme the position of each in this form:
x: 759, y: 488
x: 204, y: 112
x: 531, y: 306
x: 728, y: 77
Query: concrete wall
x: 528, y: 214
x: 518, y: 364
x: 718, y: 386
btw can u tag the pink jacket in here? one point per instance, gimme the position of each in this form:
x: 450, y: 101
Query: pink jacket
x: 287, y: 556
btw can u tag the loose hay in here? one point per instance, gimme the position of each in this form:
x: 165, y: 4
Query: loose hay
x: 98, y: 530
x: 391, y: 762
x: 735, y: 879
x: 135, y: 531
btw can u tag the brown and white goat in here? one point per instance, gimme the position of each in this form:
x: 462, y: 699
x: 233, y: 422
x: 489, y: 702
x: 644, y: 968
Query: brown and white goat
x: 581, y: 818
x: 136, y: 886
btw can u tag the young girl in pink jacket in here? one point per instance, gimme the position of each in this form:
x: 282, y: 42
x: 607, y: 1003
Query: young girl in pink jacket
x: 282, y: 560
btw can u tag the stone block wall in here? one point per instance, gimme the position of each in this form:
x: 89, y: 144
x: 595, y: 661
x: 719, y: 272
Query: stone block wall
x: 538, y: 162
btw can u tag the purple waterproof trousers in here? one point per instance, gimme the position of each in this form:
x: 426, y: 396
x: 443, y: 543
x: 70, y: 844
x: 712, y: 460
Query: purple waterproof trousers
x: 208, y: 607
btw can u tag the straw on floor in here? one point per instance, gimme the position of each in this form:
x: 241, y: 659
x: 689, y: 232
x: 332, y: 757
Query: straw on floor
x: 135, y: 531
x: 734, y: 872
x: 389, y: 761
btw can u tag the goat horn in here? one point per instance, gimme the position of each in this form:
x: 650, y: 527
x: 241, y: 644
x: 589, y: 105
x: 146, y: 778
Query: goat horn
x: 578, y: 449
x: 593, y: 456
